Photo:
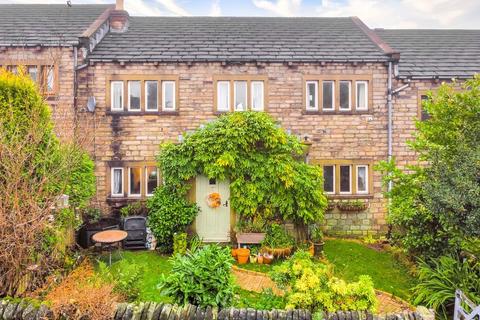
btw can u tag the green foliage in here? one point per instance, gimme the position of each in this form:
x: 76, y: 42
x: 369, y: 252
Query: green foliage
x: 91, y: 214
x: 266, y: 300
x: 201, y: 278
x: 179, y: 243
x: 133, y: 209
x: 261, y: 161
x: 441, y: 276
x: 195, y: 243
x: 169, y: 213
x: 277, y: 237
x: 311, y: 285
x: 126, y: 281
x: 434, y: 207
x: 81, y: 183
x: 250, y: 225
x: 316, y: 233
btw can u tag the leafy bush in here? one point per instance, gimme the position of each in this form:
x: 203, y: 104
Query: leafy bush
x: 201, y: 278
x: 179, y: 243
x: 133, y: 209
x: 277, y: 237
x: 261, y: 160
x: 311, y: 285
x: 81, y: 184
x: 168, y: 213
x: 439, y: 278
x: 434, y: 207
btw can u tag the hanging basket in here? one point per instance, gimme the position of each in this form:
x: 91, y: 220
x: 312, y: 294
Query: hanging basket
x: 214, y: 200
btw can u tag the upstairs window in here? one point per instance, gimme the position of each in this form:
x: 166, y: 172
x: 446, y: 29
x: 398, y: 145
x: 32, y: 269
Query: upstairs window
x: 338, y: 93
x: 345, y: 95
x: 151, y: 95
x: 134, y: 96
x: 239, y: 93
x: 328, y: 91
x: 423, y: 114
x: 146, y: 93
x: 312, y: 95
x: 168, y: 101
x: 117, y: 95
x: 45, y: 75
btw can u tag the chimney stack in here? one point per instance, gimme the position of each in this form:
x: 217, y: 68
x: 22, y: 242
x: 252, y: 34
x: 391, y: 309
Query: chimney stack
x: 119, y: 18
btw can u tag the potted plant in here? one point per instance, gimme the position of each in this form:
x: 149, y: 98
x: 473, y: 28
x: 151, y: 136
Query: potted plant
x: 250, y: 230
x: 253, y: 255
x: 355, y: 205
x: 277, y: 241
x: 316, y: 236
x: 267, y: 258
x: 260, y: 258
x: 242, y: 255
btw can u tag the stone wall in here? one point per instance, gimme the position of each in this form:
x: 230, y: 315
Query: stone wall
x: 136, y: 137
x: 62, y: 101
x: 25, y: 310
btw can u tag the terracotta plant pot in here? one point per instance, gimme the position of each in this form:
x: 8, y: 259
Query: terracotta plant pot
x: 279, y: 252
x: 242, y: 255
x: 267, y: 258
x: 234, y: 253
x: 259, y: 259
x: 311, y: 249
x: 253, y: 259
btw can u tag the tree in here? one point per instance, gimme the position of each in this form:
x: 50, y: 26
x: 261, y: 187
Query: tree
x: 35, y: 169
x: 437, y: 205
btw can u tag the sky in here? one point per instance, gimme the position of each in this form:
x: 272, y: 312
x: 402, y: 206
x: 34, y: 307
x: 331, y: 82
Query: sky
x: 453, y: 14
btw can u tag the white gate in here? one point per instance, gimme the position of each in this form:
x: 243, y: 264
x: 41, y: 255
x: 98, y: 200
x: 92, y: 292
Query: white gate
x: 462, y: 302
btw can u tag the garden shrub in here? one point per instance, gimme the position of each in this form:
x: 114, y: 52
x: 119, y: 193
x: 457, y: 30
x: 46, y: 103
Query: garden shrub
x: 168, y: 214
x: 261, y: 160
x: 180, y: 243
x: 277, y: 237
x: 201, y: 278
x: 435, y: 206
x: 35, y: 169
x: 311, y: 285
x: 440, y: 277
x: 266, y: 300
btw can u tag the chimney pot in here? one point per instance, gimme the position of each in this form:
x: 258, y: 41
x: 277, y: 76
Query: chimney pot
x: 119, y: 5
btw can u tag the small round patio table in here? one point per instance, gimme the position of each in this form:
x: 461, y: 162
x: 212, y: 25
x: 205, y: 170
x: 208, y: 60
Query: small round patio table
x: 109, y: 237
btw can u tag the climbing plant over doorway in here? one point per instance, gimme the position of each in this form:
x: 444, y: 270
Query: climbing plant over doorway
x: 263, y: 163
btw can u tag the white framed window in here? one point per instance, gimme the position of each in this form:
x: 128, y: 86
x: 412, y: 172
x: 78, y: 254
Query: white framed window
x: 116, y: 182
x: 116, y: 94
x: 151, y: 95
x: 240, y: 95
x: 151, y: 180
x: 362, y: 179
x: 223, y: 96
x: 33, y: 73
x: 345, y: 95
x: 345, y: 179
x: 312, y: 95
x: 134, y: 93
x: 168, y: 96
x: 134, y: 181
x: 50, y: 78
x: 257, y: 92
x: 362, y: 95
x: 328, y: 95
x: 329, y: 179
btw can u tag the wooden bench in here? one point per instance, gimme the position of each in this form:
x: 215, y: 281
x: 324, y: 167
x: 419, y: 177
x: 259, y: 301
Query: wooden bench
x: 249, y: 238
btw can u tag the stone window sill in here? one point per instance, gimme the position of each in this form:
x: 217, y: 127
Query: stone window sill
x: 142, y: 113
x: 348, y: 196
x: 345, y: 113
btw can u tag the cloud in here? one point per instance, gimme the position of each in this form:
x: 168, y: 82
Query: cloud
x: 215, y: 10
x: 406, y: 13
x: 284, y: 8
x: 173, y: 7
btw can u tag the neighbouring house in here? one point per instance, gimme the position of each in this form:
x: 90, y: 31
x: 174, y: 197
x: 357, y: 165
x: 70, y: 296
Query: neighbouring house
x: 129, y: 83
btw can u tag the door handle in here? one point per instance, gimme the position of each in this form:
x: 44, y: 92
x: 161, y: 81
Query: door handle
x: 226, y: 203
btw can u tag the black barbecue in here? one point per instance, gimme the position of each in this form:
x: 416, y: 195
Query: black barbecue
x: 136, y: 227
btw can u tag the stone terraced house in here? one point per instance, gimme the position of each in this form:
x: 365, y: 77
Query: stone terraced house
x: 123, y: 85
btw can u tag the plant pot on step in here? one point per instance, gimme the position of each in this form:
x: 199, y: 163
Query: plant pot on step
x: 259, y: 259
x: 318, y: 249
x: 242, y: 255
x: 253, y: 259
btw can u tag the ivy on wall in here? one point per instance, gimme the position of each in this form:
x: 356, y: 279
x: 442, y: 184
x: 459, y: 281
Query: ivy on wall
x: 264, y: 164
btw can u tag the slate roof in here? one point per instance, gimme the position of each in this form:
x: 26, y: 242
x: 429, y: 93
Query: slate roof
x: 239, y: 39
x: 435, y: 53
x: 46, y: 25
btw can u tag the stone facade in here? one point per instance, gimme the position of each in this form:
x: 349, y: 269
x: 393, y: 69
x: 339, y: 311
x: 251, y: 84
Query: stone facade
x: 129, y: 137
x: 62, y: 101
